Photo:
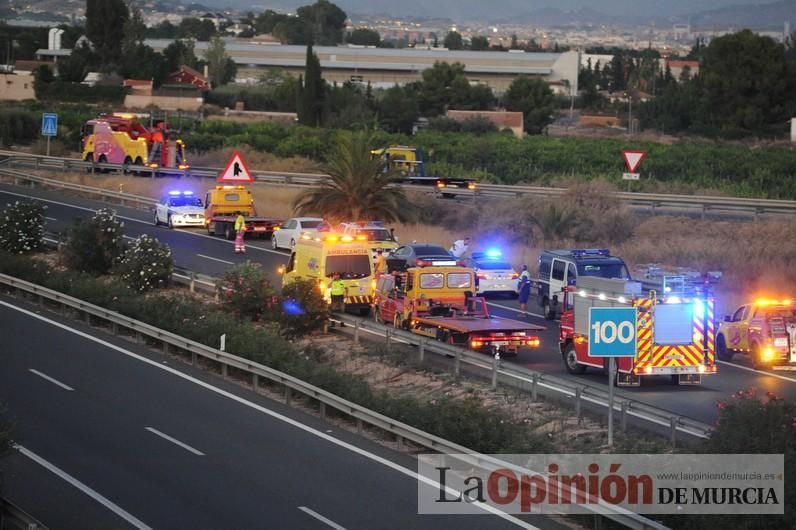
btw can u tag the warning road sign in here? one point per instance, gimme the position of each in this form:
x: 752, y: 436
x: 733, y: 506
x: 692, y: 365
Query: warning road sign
x: 633, y: 159
x: 236, y: 170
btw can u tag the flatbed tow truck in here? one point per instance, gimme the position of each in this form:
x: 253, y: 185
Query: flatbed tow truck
x: 438, y: 302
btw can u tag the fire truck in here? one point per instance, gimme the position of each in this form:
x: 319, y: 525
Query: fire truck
x: 120, y: 138
x: 764, y: 329
x: 675, y: 330
x: 438, y: 302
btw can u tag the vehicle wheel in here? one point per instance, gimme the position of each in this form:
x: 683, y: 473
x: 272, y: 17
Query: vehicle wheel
x: 126, y: 165
x: 170, y: 223
x: 103, y: 160
x: 377, y: 316
x: 757, y: 362
x: 90, y: 159
x: 398, y: 322
x: 547, y: 311
x: 138, y: 162
x: 273, y: 242
x: 211, y: 229
x: 229, y: 233
x: 721, y: 349
x: 292, y: 244
x: 157, y: 221
x: 571, y: 360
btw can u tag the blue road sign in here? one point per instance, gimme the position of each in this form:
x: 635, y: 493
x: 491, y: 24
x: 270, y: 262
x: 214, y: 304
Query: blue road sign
x: 612, y: 331
x: 49, y: 124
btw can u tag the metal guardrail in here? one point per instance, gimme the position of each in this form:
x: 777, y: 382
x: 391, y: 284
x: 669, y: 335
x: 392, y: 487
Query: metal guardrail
x: 653, y: 201
x: 12, y: 517
x: 362, y: 415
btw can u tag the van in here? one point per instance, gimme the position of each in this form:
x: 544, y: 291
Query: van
x: 320, y: 258
x: 561, y: 268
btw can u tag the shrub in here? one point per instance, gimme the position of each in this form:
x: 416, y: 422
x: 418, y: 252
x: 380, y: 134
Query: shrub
x: 94, y: 245
x: 146, y: 264
x: 17, y: 126
x: 22, y: 227
x: 303, y: 308
x: 247, y: 291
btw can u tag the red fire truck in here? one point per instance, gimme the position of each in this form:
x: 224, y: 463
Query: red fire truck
x: 675, y: 330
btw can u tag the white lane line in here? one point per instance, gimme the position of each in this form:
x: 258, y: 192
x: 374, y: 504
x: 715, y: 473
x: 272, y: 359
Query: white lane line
x: 51, y: 380
x: 71, y: 206
x: 175, y: 441
x: 82, y: 487
x: 215, y: 259
x: 515, y: 309
x: 51, y: 218
x: 130, y: 238
x: 321, y: 518
x: 761, y: 372
x: 50, y: 240
x: 411, y: 473
x: 222, y: 240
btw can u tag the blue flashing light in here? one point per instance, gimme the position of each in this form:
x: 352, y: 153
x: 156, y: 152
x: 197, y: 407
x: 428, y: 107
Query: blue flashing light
x: 581, y: 252
x: 174, y: 193
x: 188, y: 192
x: 493, y: 253
x: 699, y: 308
x: 673, y: 300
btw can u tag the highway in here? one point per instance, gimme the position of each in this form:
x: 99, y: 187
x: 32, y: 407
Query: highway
x: 200, y: 252
x: 111, y: 435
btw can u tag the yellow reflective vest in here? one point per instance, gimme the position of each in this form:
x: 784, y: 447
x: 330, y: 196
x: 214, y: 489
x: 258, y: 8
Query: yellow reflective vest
x: 338, y: 288
x: 240, y: 223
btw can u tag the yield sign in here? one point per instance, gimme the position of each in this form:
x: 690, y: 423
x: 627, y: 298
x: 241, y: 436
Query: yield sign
x: 236, y: 170
x: 633, y: 159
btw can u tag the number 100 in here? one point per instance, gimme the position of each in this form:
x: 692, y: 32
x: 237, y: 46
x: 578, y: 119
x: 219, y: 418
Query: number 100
x: 608, y: 332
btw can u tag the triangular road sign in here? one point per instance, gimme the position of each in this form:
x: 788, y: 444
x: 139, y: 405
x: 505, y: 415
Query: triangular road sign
x: 633, y: 159
x: 236, y: 170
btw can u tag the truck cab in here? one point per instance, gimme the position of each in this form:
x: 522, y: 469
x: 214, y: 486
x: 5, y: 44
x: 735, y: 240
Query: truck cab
x: 765, y: 330
x: 373, y: 233
x: 221, y: 205
x: 559, y: 269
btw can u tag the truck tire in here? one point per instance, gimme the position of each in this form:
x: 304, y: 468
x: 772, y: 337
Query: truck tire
x: 211, y: 229
x: 90, y: 158
x: 377, y: 315
x: 755, y: 353
x: 721, y: 349
x: 126, y: 165
x: 229, y: 233
x: 571, y: 360
x: 103, y: 160
x: 138, y: 162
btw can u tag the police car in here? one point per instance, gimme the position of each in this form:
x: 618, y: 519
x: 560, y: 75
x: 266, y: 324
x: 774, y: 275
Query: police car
x: 495, y: 275
x: 180, y: 208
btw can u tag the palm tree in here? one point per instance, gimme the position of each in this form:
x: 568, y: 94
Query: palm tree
x: 359, y: 188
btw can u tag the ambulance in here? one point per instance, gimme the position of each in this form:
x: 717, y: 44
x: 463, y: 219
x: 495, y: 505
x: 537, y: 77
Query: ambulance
x: 319, y: 257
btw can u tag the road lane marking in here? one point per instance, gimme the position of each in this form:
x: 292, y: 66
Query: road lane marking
x: 76, y: 207
x: 175, y: 441
x: 51, y: 218
x: 516, y: 310
x: 52, y: 468
x: 215, y: 259
x: 321, y: 518
x: 222, y: 240
x: 51, y: 380
x: 411, y: 473
x: 762, y: 372
x: 130, y: 238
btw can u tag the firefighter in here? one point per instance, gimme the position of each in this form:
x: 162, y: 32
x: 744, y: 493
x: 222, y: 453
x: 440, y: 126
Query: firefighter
x: 240, y: 232
x: 338, y: 292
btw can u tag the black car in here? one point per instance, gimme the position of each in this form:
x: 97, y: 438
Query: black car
x: 408, y: 256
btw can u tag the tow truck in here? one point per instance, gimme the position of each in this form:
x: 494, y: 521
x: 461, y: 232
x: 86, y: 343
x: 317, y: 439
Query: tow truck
x: 438, y: 302
x: 221, y: 205
x: 410, y: 162
x: 675, y: 331
x: 764, y: 329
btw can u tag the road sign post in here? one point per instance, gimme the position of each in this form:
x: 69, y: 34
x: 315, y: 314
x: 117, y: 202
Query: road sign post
x: 49, y: 127
x: 633, y: 160
x: 612, y: 333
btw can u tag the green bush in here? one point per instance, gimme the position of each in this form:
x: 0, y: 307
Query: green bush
x: 94, y: 245
x: 247, y: 291
x: 146, y: 264
x: 22, y: 227
x: 79, y: 93
x: 18, y: 126
x: 303, y: 308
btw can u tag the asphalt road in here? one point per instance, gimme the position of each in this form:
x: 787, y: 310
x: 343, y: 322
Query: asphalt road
x: 137, y: 442
x: 196, y: 250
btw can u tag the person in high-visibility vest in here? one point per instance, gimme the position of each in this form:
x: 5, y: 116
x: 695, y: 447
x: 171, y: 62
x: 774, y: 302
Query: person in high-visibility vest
x: 381, y: 263
x: 240, y: 232
x: 338, y: 292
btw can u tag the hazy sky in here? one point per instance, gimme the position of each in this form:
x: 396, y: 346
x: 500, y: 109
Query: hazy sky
x: 496, y: 8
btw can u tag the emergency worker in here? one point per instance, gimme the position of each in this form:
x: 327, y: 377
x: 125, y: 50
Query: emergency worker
x: 381, y: 263
x: 524, y: 290
x: 240, y: 232
x: 338, y: 292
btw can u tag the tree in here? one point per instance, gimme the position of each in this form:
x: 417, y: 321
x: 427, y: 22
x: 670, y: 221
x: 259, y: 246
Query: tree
x: 618, y: 77
x: 398, y: 109
x: 311, y: 92
x: 105, y: 21
x: 325, y: 21
x: 364, y: 37
x: 453, y: 41
x: 134, y: 29
x: 533, y: 97
x: 443, y: 85
x: 180, y: 53
x: 142, y: 62
x: 221, y: 68
x: 359, y: 186
x: 75, y: 67
x: 164, y: 30
x: 479, y: 43
x: 195, y: 28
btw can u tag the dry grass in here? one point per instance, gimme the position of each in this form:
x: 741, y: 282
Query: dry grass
x: 256, y: 160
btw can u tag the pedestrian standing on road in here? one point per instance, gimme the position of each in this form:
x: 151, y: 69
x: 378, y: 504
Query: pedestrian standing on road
x: 524, y: 290
x: 381, y: 263
x: 460, y: 247
x: 338, y: 293
x: 240, y: 232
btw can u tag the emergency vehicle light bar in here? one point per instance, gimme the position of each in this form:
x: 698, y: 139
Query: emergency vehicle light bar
x: 765, y: 302
x: 580, y: 252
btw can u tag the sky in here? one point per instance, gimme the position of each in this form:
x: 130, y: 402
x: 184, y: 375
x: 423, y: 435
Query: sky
x: 458, y: 9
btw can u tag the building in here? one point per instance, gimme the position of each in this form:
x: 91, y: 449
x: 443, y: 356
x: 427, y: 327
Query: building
x: 502, y: 119
x: 16, y: 87
x: 188, y: 76
x: 677, y: 67
x: 385, y: 67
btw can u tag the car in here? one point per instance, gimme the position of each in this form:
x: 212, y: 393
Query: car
x: 495, y: 275
x: 180, y: 208
x: 292, y: 230
x: 416, y: 254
